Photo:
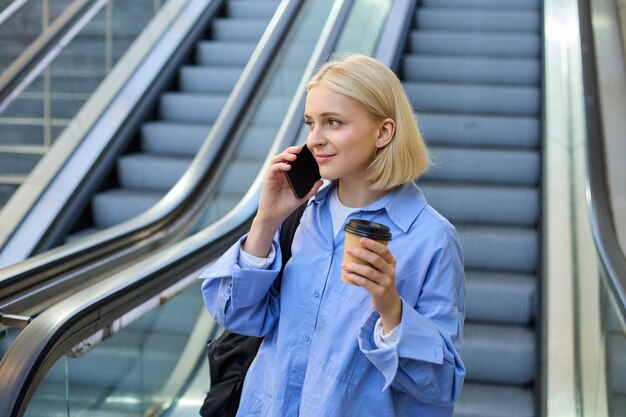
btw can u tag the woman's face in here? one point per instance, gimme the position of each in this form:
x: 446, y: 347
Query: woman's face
x: 342, y: 136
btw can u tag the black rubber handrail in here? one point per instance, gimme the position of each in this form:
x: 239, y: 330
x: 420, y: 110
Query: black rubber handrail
x: 598, y: 196
x: 28, y: 65
x: 38, y: 278
x: 56, y: 330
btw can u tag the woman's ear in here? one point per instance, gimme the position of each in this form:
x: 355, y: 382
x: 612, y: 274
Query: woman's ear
x: 386, y: 132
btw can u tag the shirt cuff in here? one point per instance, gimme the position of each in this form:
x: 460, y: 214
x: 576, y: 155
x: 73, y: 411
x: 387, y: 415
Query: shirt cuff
x: 385, y: 340
x: 249, y: 261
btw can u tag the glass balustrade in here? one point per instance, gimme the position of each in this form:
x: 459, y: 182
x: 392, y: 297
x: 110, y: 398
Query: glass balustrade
x: 37, y: 113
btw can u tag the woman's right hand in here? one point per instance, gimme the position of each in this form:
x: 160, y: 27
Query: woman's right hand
x: 277, y: 201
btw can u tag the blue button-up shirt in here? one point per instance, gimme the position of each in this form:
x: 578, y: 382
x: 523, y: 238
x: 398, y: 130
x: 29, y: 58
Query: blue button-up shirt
x: 318, y: 357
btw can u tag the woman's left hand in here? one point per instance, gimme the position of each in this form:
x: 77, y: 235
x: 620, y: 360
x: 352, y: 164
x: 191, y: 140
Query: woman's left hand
x: 378, y: 277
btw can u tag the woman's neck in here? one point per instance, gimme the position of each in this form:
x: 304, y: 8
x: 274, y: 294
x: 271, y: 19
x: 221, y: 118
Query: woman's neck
x: 357, y: 194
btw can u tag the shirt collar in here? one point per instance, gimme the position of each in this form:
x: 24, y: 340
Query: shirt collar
x: 403, y: 206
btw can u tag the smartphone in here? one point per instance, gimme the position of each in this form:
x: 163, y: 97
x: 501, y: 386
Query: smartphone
x: 304, y: 173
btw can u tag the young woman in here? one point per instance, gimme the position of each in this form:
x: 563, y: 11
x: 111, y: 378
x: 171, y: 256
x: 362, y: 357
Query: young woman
x: 388, y: 345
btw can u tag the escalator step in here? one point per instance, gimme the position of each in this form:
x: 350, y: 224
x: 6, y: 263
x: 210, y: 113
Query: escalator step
x: 212, y: 80
x: 475, y: 99
x: 461, y: 203
x: 478, y: 20
x: 512, y: 45
x: 509, y: 71
x: 499, y: 297
x: 482, y: 400
x: 228, y: 54
x: 466, y: 130
x: 115, y: 206
x: 175, y: 139
x: 499, y: 354
x: 484, y: 165
x: 514, y: 249
x: 483, y: 4
x: 150, y: 172
x: 251, y: 9
x: 240, y: 30
x: 191, y: 108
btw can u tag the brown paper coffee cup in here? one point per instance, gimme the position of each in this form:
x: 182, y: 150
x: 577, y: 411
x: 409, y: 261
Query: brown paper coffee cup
x: 355, y: 230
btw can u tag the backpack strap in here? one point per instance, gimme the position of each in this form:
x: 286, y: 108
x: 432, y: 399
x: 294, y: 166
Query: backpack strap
x: 287, y: 231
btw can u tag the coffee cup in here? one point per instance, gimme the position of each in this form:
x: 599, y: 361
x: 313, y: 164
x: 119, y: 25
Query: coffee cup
x: 355, y: 230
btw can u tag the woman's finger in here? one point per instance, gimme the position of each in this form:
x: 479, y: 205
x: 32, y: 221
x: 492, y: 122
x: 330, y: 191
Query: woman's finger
x: 365, y: 271
x: 378, y: 248
x: 360, y: 281
x: 289, y: 154
x: 371, y: 258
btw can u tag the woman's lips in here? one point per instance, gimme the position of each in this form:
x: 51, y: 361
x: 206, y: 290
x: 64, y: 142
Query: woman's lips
x: 323, y: 158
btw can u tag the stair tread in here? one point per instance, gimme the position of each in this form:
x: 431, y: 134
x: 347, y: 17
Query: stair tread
x: 505, y: 131
x: 487, y: 400
x: 474, y: 43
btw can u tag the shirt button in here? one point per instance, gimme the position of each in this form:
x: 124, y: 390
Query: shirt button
x: 228, y: 292
x: 409, y: 366
x: 301, y: 380
x: 307, y: 337
x: 316, y: 293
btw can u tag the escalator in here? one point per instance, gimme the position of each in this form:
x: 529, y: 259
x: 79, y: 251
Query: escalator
x: 169, y: 141
x: 473, y: 72
x: 501, y: 289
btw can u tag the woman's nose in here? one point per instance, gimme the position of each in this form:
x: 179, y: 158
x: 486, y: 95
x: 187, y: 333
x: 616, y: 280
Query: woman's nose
x: 314, y: 138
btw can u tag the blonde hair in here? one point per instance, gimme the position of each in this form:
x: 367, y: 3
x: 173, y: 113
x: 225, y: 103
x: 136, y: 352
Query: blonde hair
x: 381, y: 94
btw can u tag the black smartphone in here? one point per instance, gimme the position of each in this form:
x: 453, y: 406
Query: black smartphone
x: 304, y: 173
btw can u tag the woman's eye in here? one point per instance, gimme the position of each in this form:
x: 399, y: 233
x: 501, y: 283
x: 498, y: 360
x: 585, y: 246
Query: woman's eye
x: 309, y: 123
x: 334, y: 122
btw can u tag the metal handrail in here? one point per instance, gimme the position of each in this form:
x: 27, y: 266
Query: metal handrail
x: 59, y: 328
x: 600, y: 213
x: 171, y: 216
x: 11, y: 9
x: 395, y: 33
x: 45, y: 48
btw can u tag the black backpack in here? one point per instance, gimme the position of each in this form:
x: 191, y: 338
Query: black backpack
x: 231, y: 354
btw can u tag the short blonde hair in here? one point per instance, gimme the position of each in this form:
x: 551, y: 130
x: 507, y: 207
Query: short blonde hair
x: 381, y: 94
